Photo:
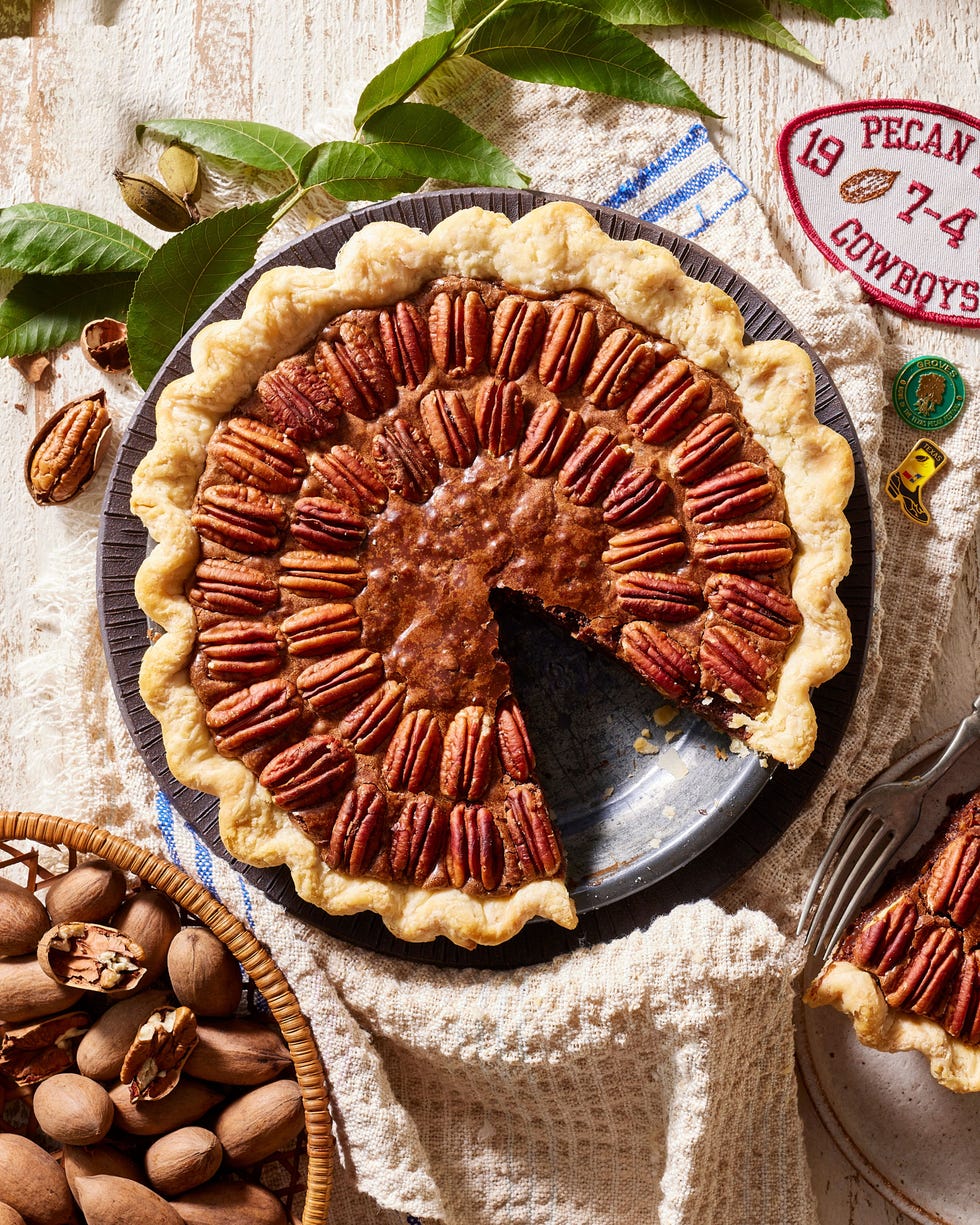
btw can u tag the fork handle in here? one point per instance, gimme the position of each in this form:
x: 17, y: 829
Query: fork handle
x: 966, y: 733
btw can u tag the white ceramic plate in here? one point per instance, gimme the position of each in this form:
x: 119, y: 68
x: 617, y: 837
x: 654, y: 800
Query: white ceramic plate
x: 915, y: 1142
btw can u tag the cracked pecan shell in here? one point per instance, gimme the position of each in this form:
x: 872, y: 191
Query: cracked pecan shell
x: 519, y: 326
x: 664, y: 662
x: 568, y: 345
x: 414, y: 752
x: 240, y: 650
x: 418, y: 839
x: 163, y: 1044
x: 351, y: 478
x: 308, y: 772
x: 256, y: 454
x: 92, y: 957
x: 35, y: 1050
x: 451, y: 431
x: 232, y: 588
x: 405, y: 340
x: 476, y: 849
x: 356, y: 372
x: 252, y: 716
x: 358, y: 832
x: 499, y: 416
x: 459, y: 328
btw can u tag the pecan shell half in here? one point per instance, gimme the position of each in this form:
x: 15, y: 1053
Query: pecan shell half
x: 91, y: 957
x: 921, y: 983
x: 35, y: 1050
x: 163, y: 1044
x: 751, y: 605
x: 885, y: 940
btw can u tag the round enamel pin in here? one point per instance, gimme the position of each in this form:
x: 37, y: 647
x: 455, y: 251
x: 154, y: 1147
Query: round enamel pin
x: 928, y: 393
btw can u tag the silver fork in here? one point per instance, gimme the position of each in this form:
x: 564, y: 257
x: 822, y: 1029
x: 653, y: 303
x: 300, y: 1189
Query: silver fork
x: 870, y: 832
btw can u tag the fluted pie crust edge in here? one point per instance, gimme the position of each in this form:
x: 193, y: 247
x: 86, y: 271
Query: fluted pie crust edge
x: 555, y: 248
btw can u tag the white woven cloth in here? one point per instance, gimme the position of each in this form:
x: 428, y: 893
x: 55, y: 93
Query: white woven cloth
x: 648, y: 1079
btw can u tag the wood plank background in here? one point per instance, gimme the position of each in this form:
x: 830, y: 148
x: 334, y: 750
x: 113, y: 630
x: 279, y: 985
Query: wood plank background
x: 76, y: 76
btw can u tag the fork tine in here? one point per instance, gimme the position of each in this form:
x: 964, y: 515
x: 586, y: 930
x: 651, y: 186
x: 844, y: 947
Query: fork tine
x: 850, y: 894
x: 843, y: 830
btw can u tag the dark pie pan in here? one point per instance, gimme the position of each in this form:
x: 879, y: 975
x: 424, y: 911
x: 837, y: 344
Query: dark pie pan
x: 641, y: 834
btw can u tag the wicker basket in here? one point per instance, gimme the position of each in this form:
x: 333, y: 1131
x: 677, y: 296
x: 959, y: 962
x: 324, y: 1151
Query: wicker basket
x: 254, y: 958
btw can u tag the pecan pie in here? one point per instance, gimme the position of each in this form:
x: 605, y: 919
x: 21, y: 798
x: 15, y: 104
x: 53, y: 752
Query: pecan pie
x: 360, y: 464
x: 907, y: 970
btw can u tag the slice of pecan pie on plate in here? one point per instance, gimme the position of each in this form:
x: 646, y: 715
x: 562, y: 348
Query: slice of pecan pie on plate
x: 356, y: 464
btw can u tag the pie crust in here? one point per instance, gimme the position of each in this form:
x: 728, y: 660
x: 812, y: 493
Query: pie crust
x: 556, y: 250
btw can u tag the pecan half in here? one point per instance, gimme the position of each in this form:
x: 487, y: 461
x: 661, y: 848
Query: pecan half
x: 459, y: 328
x: 921, y: 983
x: 351, y: 477
x: 340, y: 679
x: 499, y: 416
x: 658, y: 597
x: 551, y: 435
x: 405, y: 341
x: 635, y: 498
x: 476, y: 849
x: 252, y: 716
x: 256, y: 454
x: 316, y: 575
x: 450, y: 427
x: 240, y: 650
x: 532, y: 832
x: 962, y: 1016
x: 593, y: 466
x: 467, y: 754
x: 418, y: 839
x: 357, y: 373
x: 163, y: 1044
x: 646, y: 548
x: 308, y: 772
x: 320, y: 523
x: 669, y: 403
x: 568, y: 346
x: 358, y: 833
x: 298, y: 400
x: 66, y: 451
x: 518, y: 328
x: 755, y: 606
x: 372, y: 721
x: 746, y: 548
x: 322, y: 629
x: 414, y: 752
x: 513, y: 742
x: 35, y: 1050
x: 658, y: 658
x: 885, y: 940
x: 730, y: 664
x: 623, y: 364
x: 406, y: 461
x: 737, y: 490
x: 710, y: 445
x: 240, y: 517
x: 953, y: 887
x: 233, y: 589
x: 91, y: 957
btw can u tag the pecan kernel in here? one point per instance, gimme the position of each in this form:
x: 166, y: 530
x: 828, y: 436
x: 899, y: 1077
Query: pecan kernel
x: 240, y: 517
x: 499, y: 416
x: 321, y: 629
x: 356, y: 372
x: 658, y: 597
x: 518, y: 329
x: 370, y: 723
x: 256, y: 454
x: 532, y: 832
x: 320, y: 523
x: 467, y: 755
x: 551, y: 434
x: 710, y: 445
x: 406, y: 344
x: 414, y: 752
x: 406, y: 461
x: 513, y: 742
x: 635, y: 498
x: 568, y: 345
x: 340, y: 679
x: 656, y: 656
x: 731, y: 665
x: 459, y: 329
x: 450, y: 427
x: 755, y: 606
x: 669, y: 403
x: 593, y: 466
x: 476, y: 849
x: 163, y: 1044
x: 298, y: 400
x: 358, y: 833
x: 351, y: 477
x: 737, y: 490
x: 418, y: 839
x: 623, y: 364
x: 233, y: 589
x: 308, y: 772
x: 646, y: 548
x: 240, y: 650
x: 252, y: 716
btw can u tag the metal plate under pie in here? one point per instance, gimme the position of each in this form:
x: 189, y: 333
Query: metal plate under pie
x: 638, y: 839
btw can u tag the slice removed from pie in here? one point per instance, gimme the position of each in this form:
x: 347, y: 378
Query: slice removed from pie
x: 356, y: 465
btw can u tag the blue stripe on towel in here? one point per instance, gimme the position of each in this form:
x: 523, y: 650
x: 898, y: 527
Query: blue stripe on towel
x: 165, y: 822
x: 694, y: 140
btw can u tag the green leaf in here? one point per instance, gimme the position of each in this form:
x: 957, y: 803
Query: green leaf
x: 402, y: 75
x: 428, y: 140
x: 351, y: 171
x: 253, y: 144
x: 186, y: 275
x: 553, y: 44
x: 42, y: 312
x: 832, y: 9
x: 49, y: 239
x: 437, y: 17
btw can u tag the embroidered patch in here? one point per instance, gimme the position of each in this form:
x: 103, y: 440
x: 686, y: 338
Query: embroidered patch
x: 890, y: 191
x: 928, y: 393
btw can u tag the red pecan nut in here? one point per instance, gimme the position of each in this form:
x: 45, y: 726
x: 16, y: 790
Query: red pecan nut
x: 476, y: 849
x: 658, y: 597
x: 459, y: 329
x: 35, y: 1050
x: 320, y: 523
x: 962, y: 1016
x: 731, y: 665
x: 450, y: 427
x: 233, y: 589
x: 351, y: 477
x: 240, y: 650
x: 635, y: 498
x: 418, y: 839
x: 953, y: 887
x: 240, y: 517
x: 568, y: 346
x: 593, y: 467
x: 252, y: 716
x: 737, y: 490
x: 499, y: 416
x: 646, y: 548
x: 518, y: 329
x: 710, y: 445
x: 406, y: 461
x: 921, y: 983
x: 359, y: 831
x: 751, y: 605
x: 885, y: 940
x: 467, y: 755
x: 532, y: 833
x: 513, y: 742
x: 659, y: 659
x: 414, y: 752
x: 669, y: 403
x: 754, y: 547
x: 320, y: 575
x: 372, y: 721
x: 321, y: 629
x: 340, y: 680
x: 298, y: 400
x: 356, y: 372
x: 308, y: 772
x: 551, y: 435
x: 623, y: 364
x: 405, y: 341
x: 256, y: 454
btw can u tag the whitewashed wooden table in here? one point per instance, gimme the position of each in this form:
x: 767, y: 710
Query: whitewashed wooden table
x: 76, y: 76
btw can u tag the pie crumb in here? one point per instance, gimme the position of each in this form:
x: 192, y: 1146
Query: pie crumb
x: 668, y: 812
x: 673, y: 763
x: 642, y: 745
x: 664, y: 715
x: 721, y: 754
